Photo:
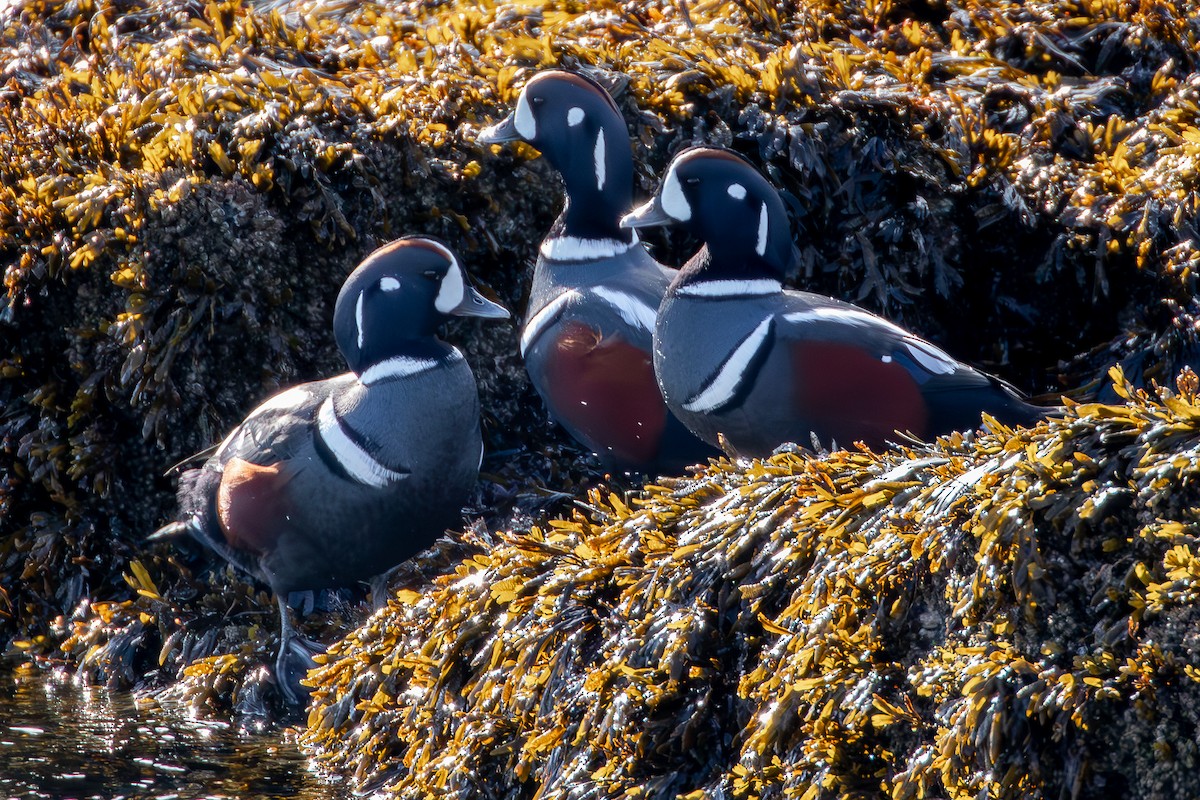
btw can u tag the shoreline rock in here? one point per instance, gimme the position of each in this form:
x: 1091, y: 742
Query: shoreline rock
x: 183, y: 187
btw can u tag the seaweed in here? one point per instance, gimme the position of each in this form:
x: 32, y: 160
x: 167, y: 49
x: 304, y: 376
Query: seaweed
x: 1009, y: 615
x: 184, y: 185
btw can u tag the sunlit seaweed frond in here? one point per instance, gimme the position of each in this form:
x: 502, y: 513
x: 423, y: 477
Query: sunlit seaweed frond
x: 184, y: 185
x: 998, y: 616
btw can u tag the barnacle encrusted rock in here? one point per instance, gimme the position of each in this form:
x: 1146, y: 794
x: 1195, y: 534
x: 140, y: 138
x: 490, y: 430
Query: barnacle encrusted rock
x: 183, y: 186
x: 1009, y: 617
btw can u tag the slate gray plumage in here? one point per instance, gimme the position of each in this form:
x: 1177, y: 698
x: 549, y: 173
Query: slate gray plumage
x: 588, y: 327
x: 738, y: 356
x: 336, y: 481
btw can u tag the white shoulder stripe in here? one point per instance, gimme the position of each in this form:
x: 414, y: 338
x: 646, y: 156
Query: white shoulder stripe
x: 289, y: 400
x: 284, y: 401
x: 632, y: 309
x: 730, y: 288
x: 721, y: 388
x: 356, y: 462
x: 847, y: 316
x: 930, y: 357
x: 398, y: 367
x: 538, y: 322
x: 573, y: 248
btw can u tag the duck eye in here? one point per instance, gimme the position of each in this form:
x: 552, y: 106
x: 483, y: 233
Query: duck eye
x: 693, y: 181
x: 432, y: 274
x: 537, y: 101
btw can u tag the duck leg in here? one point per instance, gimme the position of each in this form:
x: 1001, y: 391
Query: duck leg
x: 294, y: 659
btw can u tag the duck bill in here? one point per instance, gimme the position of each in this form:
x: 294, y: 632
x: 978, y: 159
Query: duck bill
x: 476, y: 305
x: 648, y: 215
x: 503, y: 131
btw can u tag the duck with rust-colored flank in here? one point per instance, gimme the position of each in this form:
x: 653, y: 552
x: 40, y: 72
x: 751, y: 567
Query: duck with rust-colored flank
x: 333, y: 482
x: 588, y: 328
x: 741, y: 358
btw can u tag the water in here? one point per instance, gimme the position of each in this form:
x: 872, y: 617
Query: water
x: 58, y: 740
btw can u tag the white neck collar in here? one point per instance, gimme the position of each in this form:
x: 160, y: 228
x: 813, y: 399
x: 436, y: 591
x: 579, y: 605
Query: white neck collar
x: 401, y: 367
x: 731, y: 288
x: 573, y: 248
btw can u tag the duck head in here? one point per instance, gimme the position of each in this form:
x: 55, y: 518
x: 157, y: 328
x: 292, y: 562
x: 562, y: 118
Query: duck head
x: 726, y: 203
x: 577, y: 127
x: 401, y: 294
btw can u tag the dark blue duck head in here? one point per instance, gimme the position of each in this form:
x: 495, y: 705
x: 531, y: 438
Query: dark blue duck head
x: 724, y: 201
x: 399, y: 296
x: 578, y: 128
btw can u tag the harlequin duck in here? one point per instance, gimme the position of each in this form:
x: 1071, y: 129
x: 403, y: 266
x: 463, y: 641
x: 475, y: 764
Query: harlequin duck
x: 739, y: 356
x: 587, y: 333
x: 335, y: 481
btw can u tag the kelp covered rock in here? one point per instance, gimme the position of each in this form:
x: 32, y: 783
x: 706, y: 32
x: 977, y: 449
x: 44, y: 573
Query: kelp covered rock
x: 1010, y: 617
x: 183, y: 186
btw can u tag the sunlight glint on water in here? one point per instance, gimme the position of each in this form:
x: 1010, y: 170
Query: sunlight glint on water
x: 58, y: 740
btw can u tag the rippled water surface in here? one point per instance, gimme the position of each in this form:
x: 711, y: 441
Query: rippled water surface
x: 58, y: 740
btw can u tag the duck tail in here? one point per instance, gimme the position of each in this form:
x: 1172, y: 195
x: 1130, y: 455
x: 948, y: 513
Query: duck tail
x: 173, y: 530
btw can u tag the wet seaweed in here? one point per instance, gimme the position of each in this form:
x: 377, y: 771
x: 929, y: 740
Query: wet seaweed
x: 183, y: 186
x: 1006, y: 616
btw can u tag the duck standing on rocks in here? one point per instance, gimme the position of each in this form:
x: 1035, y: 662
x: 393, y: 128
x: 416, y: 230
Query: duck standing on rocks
x: 333, y: 482
x: 739, y: 357
x: 587, y: 333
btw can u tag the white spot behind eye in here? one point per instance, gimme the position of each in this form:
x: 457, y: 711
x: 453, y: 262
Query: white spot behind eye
x: 673, y: 201
x: 574, y: 116
x: 389, y: 284
x: 737, y: 191
x: 450, y: 292
x: 358, y: 318
x: 760, y: 246
x: 598, y: 155
x: 523, y: 120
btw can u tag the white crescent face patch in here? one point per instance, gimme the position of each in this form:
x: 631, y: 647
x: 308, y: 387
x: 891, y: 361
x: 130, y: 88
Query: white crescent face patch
x: 452, y: 288
x: 674, y: 203
x: 523, y: 119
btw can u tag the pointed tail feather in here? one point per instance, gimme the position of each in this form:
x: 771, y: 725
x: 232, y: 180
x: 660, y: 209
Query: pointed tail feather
x: 173, y: 530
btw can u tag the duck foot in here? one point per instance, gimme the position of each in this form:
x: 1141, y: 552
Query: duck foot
x: 294, y: 660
